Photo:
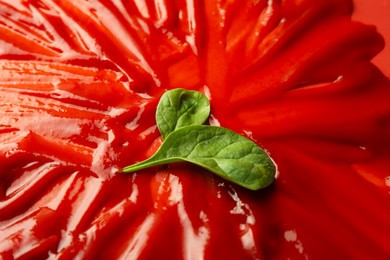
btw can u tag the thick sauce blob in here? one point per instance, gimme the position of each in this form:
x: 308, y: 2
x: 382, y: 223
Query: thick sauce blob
x: 79, y: 85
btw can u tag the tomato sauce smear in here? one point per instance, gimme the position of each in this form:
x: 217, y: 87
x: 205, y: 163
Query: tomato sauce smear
x: 79, y: 86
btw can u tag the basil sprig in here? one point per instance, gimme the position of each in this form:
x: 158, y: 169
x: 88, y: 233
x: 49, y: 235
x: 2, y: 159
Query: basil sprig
x: 217, y: 149
x: 180, y: 107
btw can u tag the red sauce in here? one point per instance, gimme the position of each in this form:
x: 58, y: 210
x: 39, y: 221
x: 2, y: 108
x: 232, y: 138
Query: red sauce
x: 376, y: 12
x: 79, y: 84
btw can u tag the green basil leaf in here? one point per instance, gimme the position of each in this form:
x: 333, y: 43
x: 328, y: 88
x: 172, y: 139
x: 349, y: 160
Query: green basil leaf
x: 220, y: 150
x: 180, y: 107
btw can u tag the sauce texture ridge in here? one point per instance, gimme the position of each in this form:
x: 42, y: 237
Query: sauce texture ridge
x: 79, y: 86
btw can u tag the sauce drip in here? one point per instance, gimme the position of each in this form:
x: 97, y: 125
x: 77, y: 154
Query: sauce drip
x: 79, y: 86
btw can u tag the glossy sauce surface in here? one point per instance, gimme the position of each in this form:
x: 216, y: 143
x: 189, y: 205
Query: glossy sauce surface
x: 79, y: 85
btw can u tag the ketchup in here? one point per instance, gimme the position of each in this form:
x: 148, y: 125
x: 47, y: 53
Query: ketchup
x: 79, y: 86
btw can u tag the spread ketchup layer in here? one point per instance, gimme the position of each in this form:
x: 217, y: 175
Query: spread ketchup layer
x: 79, y: 86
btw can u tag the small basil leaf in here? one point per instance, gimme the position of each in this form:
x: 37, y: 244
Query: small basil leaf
x: 221, y: 151
x: 180, y: 107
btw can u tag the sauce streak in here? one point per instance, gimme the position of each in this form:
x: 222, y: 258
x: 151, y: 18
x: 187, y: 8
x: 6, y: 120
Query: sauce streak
x: 79, y: 86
